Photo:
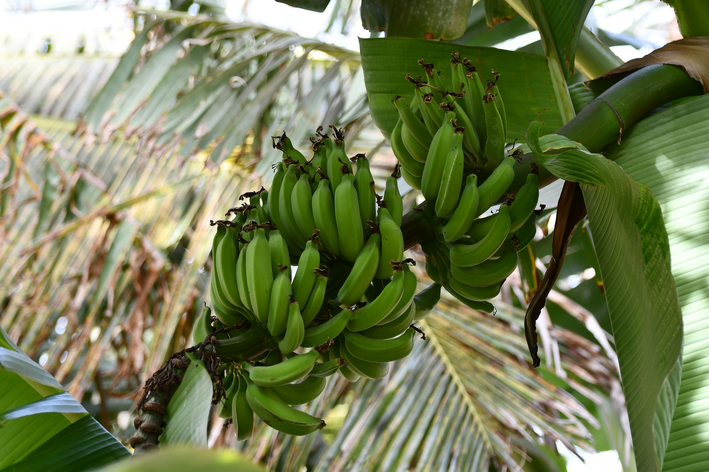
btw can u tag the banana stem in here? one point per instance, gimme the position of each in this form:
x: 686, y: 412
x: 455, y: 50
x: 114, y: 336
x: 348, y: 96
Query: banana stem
x: 416, y: 228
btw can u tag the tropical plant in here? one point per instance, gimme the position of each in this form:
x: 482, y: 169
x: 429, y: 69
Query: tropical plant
x: 112, y: 277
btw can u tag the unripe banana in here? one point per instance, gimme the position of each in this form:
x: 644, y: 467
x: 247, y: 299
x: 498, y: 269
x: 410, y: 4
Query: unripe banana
x: 288, y: 371
x: 202, y: 326
x: 451, y: 179
x: 468, y: 255
x: 524, y: 235
x: 362, y: 273
x: 280, y: 256
x: 415, y: 149
x: 301, y: 392
x: 460, y: 83
x: 345, y: 370
x: 258, y: 279
x: 322, y: 333
x: 374, y: 312
x: 495, y: 141
x: 496, y: 185
x: 492, y: 88
x: 274, y: 206
x: 327, y: 367
x: 471, y: 141
x: 441, y: 145
x: 242, y: 278
x: 490, y: 272
x: 525, y: 202
x: 464, y: 213
x: 407, y: 161
x: 418, y: 129
x: 369, y: 370
x: 477, y: 294
x: 295, y: 330
x: 324, y: 216
x: 225, y: 265
x: 224, y: 409
x: 305, y: 275
x: 477, y: 92
x: 379, y: 350
x: 277, y: 414
x: 246, y: 343
x: 392, y: 244
x: 412, y: 180
x: 302, y: 206
x: 365, y: 193
x: 392, y: 198
x: 224, y: 311
x: 426, y: 300
x: 241, y: 412
x: 278, y: 308
x: 316, y: 299
x: 407, y: 297
x: 395, y: 328
x: 285, y: 145
x: 288, y: 226
x: 487, y: 307
x: 426, y: 111
x: 336, y: 161
x: 349, y: 222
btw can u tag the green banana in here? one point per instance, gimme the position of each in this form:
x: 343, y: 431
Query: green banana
x: 524, y: 235
x: 304, y: 279
x: 471, y: 141
x: 395, y: 328
x: 324, y: 216
x: 278, y: 415
x: 301, y: 392
x: 490, y: 272
x: 278, y: 307
x: 327, y: 368
x: 525, y: 202
x: 418, y: 129
x: 295, y: 330
x: 336, y: 161
x: 380, y: 350
x: 225, y: 266
x: 302, y: 206
x: 464, y: 214
x: 288, y: 226
x: 322, y: 333
x: 392, y: 244
x: 225, y: 312
x: 492, y: 86
x: 451, y: 179
x: 288, y: 371
x: 407, y: 296
x: 364, y: 269
x: 225, y: 406
x: 426, y: 300
x: 476, y: 294
x: 241, y: 278
x: 366, y: 369
x: 414, y: 148
x: 441, y: 145
x: 347, y: 217
x: 259, y: 280
x: 364, y: 183
x: 409, y: 178
x: 487, y: 307
x: 495, y: 141
x: 345, y: 370
x: 429, y: 119
x: 374, y: 312
x: 477, y: 92
x: 460, y: 83
x: 285, y: 145
x: 274, y: 204
x: 392, y: 197
x: 241, y: 412
x: 402, y: 154
x: 280, y: 256
x: 465, y: 255
x: 202, y: 326
x: 246, y: 343
x: 496, y: 185
x: 316, y: 299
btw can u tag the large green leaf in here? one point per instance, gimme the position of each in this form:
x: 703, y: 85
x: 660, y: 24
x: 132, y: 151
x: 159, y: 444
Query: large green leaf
x: 668, y: 153
x: 524, y: 83
x: 41, y: 426
x: 634, y: 258
x: 188, y: 410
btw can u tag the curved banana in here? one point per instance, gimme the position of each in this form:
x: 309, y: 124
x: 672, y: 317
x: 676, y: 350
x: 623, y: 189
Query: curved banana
x: 407, y: 297
x: 451, y: 178
x: 380, y: 350
x: 525, y: 202
x: 417, y: 127
x: 365, y: 193
x: 228, y: 314
x: 225, y: 265
x: 246, y: 343
x: 460, y: 83
x: 288, y: 226
x: 278, y: 415
x: 324, y: 216
x: 496, y: 185
x: 392, y: 244
x: 426, y: 300
x: 316, y: 299
x: 490, y: 272
x: 336, y: 161
x: 441, y: 145
x: 487, y: 307
x: 241, y: 411
x: 301, y: 392
x: 395, y: 328
x: 477, y: 92
x: 524, y: 235
x: 259, y: 280
x: 322, y: 333
x: 224, y: 410
x: 280, y: 257
x: 285, y: 145
x: 302, y: 206
x: 304, y: 279
x: 202, y: 326
x: 347, y: 217
x: 345, y: 370
x: 278, y: 307
x: 468, y: 255
x: 295, y: 330
x: 414, y: 148
x: 288, y: 371
x: 464, y: 214
x: 366, y: 369
x: 492, y: 85
x: 374, y: 312
x: 471, y: 141
x: 327, y: 367
x: 392, y: 198
x: 426, y: 111
x: 495, y: 140
x: 241, y: 278
x: 407, y: 161
x: 476, y: 294
x: 409, y: 178
x: 273, y: 202
x: 364, y: 269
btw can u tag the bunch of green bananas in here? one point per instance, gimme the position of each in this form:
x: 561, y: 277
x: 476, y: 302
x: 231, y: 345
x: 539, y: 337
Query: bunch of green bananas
x: 451, y: 135
x: 349, y: 305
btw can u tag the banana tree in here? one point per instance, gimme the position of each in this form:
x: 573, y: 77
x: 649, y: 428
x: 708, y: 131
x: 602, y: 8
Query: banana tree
x: 184, y: 101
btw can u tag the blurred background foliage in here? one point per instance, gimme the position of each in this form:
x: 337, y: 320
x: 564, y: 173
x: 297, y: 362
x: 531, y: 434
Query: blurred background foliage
x: 105, y: 237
